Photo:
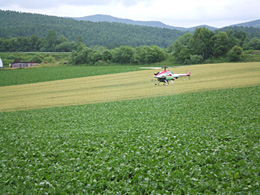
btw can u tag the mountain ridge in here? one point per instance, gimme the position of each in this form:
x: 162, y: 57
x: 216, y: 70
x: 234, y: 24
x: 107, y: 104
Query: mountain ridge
x: 108, y: 18
x: 158, y: 24
x: 253, y: 23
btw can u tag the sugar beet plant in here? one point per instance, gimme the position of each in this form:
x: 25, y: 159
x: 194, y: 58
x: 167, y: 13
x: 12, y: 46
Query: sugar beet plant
x: 200, y: 143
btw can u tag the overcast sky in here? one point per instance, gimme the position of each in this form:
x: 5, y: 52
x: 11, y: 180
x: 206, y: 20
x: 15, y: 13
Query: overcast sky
x: 182, y: 13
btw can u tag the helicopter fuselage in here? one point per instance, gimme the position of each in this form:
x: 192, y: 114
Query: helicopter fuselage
x: 164, y: 75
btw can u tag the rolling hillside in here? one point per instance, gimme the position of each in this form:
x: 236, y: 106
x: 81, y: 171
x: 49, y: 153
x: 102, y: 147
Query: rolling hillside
x: 104, y: 30
x: 110, y: 35
x: 158, y: 24
x: 107, y: 18
x: 255, y: 24
x: 250, y: 31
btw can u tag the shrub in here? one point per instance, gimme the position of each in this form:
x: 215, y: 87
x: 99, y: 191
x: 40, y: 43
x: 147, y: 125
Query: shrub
x: 36, y: 58
x: 50, y: 59
x: 196, y: 59
x: 235, y: 54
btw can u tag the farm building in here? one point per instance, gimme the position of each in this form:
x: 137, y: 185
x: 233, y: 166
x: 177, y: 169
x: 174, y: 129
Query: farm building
x: 18, y: 64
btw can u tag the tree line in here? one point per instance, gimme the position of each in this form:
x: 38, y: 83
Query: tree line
x: 120, y: 55
x: 250, y: 31
x: 204, y: 44
x: 187, y: 49
x: 190, y: 48
x: 51, y: 43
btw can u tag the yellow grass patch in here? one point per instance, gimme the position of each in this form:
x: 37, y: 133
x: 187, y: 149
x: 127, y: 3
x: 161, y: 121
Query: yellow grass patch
x: 126, y: 86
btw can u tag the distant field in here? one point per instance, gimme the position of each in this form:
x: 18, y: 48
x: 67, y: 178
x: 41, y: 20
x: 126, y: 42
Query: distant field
x: 35, y: 75
x: 195, y: 143
x: 125, y: 86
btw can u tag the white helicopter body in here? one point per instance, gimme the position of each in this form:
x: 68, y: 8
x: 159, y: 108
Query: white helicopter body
x: 165, y: 76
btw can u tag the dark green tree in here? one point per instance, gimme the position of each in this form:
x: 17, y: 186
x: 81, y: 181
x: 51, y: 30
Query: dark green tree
x: 79, y: 39
x: 254, y: 43
x: 195, y: 59
x: 158, y: 54
x: 122, y: 55
x: 235, y: 54
x: 79, y: 56
x: 62, y: 39
x: 51, y: 40
x: 200, y: 43
x: 220, y: 44
x: 106, y: 55
x: 2, y: 45
x: 138, y: 55
x: 180, y: 49
x: 35, y: 43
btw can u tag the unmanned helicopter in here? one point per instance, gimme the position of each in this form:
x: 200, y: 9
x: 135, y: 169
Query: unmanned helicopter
x: 165, y: 76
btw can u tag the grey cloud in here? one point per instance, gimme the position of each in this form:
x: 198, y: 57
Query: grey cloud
x: 52, y: 3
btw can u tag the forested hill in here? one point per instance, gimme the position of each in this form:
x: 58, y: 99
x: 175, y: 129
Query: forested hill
x: 255, y: 24
x: 110, y: 35
x: 108, y: 18
x: 250, y: 31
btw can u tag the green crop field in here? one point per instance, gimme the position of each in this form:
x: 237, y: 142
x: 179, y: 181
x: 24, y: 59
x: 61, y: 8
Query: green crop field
x: 35, y: 75
x: 205, y: 142
x: 199, y: 136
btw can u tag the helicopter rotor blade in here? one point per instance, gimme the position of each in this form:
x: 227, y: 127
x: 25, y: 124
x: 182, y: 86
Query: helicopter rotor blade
x: 162, y: 67
x: 152, y: 68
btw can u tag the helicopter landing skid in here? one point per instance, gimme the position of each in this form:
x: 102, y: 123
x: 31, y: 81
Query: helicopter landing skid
x: 165, y: 82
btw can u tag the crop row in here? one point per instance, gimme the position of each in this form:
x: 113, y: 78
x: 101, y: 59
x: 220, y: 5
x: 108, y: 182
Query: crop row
x: 202, y: 143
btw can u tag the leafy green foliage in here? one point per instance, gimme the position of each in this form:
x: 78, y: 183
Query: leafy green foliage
x: 120, y: 55
x: 49, y: 59
x: 189, y: 48
x: 251, y: 32
x: 50, y: 40
x: 235, y: 54
x: 254, y: 44
x: 251, y: 56
x: 35, y: 44
x: 196, y: 59
x: 200, y: 143
x: 221, y: 44
x: 200, y: 42
x: 37, y: 59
